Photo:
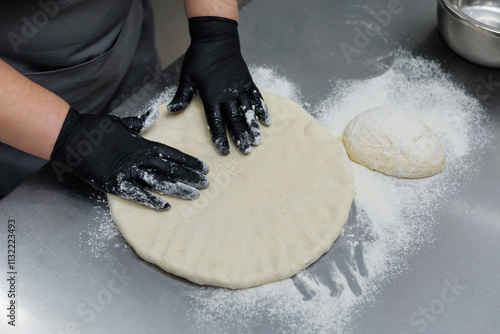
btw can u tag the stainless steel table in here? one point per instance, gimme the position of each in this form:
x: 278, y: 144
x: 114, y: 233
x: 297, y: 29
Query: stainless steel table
x: 74, y: 274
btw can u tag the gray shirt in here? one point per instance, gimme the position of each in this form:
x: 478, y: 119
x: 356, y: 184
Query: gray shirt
x: 48, y: 35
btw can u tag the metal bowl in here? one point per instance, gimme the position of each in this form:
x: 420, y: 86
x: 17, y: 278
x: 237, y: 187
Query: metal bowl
x: 472, y: 29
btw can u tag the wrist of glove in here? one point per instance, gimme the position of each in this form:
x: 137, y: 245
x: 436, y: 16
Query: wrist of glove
x: 213, y: 66
x: 106, y: 152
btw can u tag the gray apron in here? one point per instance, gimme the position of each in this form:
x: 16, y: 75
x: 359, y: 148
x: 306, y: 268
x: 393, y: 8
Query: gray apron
x: 90, y: 84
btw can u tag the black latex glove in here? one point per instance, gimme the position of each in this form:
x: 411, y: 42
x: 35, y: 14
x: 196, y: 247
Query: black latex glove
x: 106, y: 152
x: 213, y: 66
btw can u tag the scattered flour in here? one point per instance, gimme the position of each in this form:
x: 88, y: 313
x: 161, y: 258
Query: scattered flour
x: 99, y: 235
x: 391, y: 219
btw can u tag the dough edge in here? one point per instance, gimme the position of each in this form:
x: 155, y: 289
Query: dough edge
x: 205, y: 278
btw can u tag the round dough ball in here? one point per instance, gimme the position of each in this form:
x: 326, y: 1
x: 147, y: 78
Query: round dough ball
x: 392, y: 141
x: 264, y: 217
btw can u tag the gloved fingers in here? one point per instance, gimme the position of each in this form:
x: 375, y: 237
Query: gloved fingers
x: 169, y: 153
x: 237, y: 126
x: 142, y: 196
x: 216, y: 126
x: 249, y: 114
x: 139, y: 123
x: 259, y: 106
x: 173, y: 172
x: 183, y: 95
x: 166, y: 185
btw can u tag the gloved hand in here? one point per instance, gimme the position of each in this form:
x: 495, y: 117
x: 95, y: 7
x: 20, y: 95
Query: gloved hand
x: 106, y: 152
x: 213, y: 66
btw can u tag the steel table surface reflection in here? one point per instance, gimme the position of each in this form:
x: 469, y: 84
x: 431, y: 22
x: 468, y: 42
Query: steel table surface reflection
x: 63, y: 288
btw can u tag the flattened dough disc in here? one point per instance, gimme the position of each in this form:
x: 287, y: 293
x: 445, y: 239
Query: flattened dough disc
x: 264, y: 217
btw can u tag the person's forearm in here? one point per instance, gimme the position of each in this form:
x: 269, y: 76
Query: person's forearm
x: 31, y: 117
x: 221, y: 8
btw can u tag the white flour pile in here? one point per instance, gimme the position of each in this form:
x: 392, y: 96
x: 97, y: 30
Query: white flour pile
x: 393, y: 218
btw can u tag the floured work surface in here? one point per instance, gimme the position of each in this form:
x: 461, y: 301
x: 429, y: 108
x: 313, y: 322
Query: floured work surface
x: 264, y: 217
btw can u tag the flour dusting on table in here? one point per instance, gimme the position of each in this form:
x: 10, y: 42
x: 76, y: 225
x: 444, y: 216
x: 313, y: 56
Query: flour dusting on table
x: 391, y: 220
x: 100, y: 233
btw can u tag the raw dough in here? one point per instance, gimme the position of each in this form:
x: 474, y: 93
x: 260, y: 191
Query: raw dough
x: 394, y: 142
x: 264, y: 217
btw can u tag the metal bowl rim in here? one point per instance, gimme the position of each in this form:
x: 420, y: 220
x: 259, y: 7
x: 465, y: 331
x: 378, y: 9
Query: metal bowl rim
x: 458, y: 14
